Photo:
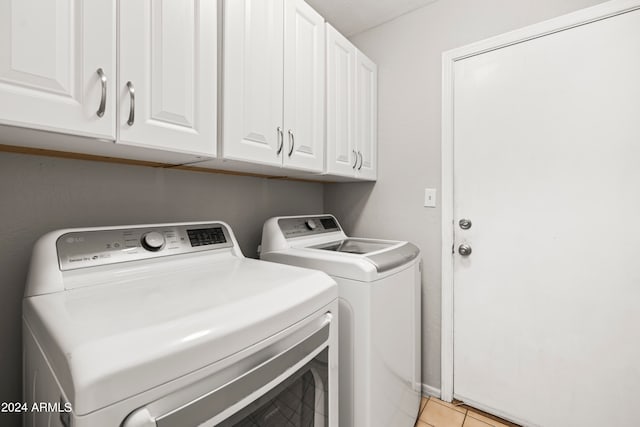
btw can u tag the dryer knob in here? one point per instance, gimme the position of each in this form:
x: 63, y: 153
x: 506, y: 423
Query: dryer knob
x: 311, y: 224
x: 153, y: 241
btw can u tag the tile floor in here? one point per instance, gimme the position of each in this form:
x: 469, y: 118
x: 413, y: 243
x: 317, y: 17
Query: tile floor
x: 436, y: 413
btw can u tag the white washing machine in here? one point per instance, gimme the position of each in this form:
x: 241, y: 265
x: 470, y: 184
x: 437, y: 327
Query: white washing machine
x: 169, y: 325
x: 379, y: 303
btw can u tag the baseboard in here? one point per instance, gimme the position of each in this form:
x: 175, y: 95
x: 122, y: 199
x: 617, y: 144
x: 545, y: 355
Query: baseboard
x: 495, y: 412
x: 428, y: 390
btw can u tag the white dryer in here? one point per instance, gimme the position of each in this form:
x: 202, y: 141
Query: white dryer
x: 169, y: 325
x: 379, y: 304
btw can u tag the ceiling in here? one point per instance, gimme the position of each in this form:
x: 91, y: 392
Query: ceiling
x: 351, y: 17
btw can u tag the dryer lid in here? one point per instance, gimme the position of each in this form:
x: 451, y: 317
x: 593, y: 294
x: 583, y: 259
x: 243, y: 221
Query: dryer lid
x: 109, y: 342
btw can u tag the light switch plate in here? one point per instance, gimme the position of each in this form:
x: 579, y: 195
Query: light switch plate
x: 429, y: 197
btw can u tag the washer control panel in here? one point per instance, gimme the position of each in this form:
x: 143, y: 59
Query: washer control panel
x: 100, y: 247
x: 307, y: 226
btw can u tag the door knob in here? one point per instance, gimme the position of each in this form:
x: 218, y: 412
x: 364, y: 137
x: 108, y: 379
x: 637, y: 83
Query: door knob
x: 464, y: 250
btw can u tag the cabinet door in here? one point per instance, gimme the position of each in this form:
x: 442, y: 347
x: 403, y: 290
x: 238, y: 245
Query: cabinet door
x: 50, y: 53
x: 366, y: 116
x: 341, y: 61
x: 168, y: 61
x: 253, y: 80
x: 304, y: 87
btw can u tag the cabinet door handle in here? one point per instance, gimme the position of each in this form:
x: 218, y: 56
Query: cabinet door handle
x: 103, y: 98
x: 356, y: 157
x: 281, y: 140
x: 132, y: 108
x: 361, y: 160
x: 292, y: 141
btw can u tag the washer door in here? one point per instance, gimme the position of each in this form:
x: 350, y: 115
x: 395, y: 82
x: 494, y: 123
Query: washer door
x: 299, y: 401
x: 286, y: 381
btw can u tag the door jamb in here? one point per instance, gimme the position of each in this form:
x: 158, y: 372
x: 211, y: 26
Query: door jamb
x: 449, y: 58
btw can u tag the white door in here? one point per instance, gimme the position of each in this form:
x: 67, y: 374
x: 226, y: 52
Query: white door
x: 168, y: 75
x: 366, y: 116
x: 253, y: 81
x: 50, y: 56
x: 546, y: 155
x: 341, y: 76
x: 304, y: 87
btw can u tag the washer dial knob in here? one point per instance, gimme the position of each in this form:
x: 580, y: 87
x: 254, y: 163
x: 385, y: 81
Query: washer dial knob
x: 311, y: 224
x: 152, y: 241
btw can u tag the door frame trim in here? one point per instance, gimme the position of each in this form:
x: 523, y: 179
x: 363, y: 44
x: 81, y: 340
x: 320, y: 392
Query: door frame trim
x: 449, y: 58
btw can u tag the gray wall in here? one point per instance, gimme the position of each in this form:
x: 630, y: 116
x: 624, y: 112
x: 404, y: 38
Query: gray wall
x: 408, y: 53
x: 40, y: 194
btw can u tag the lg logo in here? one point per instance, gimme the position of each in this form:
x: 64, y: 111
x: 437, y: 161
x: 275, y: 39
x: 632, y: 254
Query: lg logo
x: 75, y: 239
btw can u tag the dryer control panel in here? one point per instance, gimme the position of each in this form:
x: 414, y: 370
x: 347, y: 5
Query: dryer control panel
x: 308, y: 225
x: 100, y: 247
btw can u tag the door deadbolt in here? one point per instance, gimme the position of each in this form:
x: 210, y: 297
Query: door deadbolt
x: 465, y: 224
x: 464, y: 250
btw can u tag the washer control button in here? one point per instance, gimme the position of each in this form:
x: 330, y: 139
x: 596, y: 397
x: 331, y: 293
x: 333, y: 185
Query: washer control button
x: 311, y: 224
x: 153, y: 241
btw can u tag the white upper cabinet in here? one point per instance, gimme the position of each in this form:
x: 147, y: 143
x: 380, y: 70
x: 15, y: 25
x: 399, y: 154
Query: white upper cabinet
x: 342, y: 157
x: 167, y: 84
x: 253, y: 81
x: 274, y: 84
x: 59, y: 72
x: 352, y: 81
x: 366, y: 117
x: 295, y: 94
x: 57, y: 65
x: 304, y: 86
